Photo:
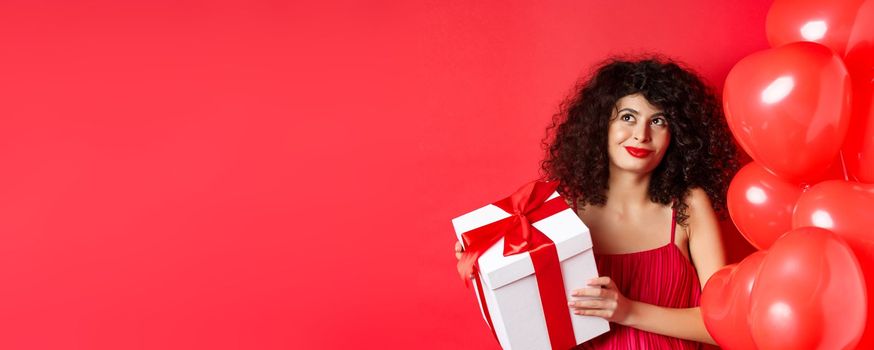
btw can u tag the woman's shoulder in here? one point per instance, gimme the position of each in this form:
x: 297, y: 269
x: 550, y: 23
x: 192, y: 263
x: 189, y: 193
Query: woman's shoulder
x: 701, y: 215
x: 698, y: 199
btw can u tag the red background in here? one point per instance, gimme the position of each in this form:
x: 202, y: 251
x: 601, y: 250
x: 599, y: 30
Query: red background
x: 273, y: 175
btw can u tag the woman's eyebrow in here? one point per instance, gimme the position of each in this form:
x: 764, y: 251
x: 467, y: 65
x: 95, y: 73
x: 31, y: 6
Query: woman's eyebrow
x: 633, y: 111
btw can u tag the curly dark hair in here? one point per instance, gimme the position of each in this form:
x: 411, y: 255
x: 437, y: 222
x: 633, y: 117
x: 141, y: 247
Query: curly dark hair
x: 701, y: 152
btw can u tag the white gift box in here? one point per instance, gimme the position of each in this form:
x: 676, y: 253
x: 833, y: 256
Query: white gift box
x: 510, y: 287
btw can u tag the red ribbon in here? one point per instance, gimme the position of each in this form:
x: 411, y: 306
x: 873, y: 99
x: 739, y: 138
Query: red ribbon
x: 526, y: 205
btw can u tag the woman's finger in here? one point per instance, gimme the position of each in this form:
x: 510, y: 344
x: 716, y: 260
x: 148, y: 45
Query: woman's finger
x: 599, y: 313
x: 458, y: 250
x: 589, y: 304
x: 591, y: 292
x: 600, y: 281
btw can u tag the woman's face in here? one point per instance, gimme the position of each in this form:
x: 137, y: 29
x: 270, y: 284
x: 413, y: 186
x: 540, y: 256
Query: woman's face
x: 638, y: 135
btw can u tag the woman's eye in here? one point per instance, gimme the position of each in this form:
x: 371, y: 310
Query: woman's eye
x: 627, y: 117
x: 659, y: 121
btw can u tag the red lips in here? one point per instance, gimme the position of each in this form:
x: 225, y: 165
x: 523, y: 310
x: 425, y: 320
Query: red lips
x: 637, y: 152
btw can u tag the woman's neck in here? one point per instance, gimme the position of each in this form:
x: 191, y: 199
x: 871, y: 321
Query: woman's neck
x: 627, y: 190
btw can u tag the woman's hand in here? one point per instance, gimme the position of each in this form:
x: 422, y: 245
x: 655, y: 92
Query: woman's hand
x: 458, y: 252
x: 603, y: 300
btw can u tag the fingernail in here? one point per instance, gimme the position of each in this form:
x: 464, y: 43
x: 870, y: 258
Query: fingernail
x: 570, y: 303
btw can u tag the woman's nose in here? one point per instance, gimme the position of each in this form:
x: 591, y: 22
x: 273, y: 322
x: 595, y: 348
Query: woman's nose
x: 641, y: 133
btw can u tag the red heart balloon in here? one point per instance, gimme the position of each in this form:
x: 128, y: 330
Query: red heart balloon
x: 725, y: 303
x: 788, y: 107
x: 841, y: 207
x: 826, y: 22
x: 760, y: 205
x: 809, y: 294
x: 858, y: 149
x: 845, y: 209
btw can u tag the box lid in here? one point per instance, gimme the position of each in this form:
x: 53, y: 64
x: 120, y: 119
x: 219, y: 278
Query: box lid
x: 565, y: 229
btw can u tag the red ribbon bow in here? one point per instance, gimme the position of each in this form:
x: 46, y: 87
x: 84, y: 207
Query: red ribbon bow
x: 527, y: 205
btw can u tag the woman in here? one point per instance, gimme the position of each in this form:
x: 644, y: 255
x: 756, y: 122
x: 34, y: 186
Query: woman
x: 643, y: 153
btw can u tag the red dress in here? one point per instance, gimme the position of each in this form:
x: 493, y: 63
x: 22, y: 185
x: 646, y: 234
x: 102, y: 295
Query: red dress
x: 662, y: 276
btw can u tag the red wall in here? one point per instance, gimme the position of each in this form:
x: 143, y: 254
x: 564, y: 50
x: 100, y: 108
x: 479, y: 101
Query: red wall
x: 266, y: 175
